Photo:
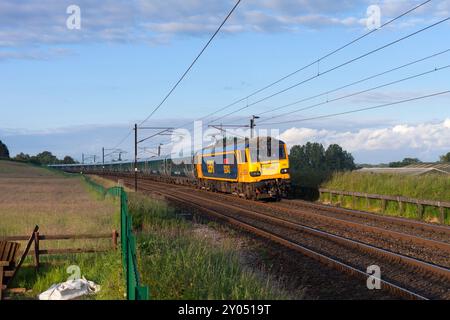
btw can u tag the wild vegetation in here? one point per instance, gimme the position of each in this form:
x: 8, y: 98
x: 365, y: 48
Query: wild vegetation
x: 179, y: 263
x: 59, y: 204
x: 428, y: 187
x: 445, y: 157
x: 4, y: 152
x: 43, y: 158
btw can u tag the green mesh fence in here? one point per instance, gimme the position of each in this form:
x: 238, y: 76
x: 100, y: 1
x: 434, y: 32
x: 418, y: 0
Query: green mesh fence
x: 134, y: 290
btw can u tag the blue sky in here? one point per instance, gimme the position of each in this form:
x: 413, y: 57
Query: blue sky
x: 74, y: 91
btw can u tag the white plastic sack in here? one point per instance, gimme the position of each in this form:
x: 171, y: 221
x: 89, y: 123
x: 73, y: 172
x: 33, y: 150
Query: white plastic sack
x: 70, y: 289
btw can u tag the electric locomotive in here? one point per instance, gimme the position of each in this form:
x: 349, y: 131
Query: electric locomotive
x: 256, y: 168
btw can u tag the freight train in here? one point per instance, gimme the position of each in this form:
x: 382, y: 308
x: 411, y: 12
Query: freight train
x: 256, y: 168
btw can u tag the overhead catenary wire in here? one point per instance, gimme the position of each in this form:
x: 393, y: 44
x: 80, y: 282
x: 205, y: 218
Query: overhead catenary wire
x: 354, y: 82
x: 334, y: 68
x: 361, y: 109
x: 185, y: 73
x: 318, y: 60
x: 310, y: 64
x: 357, y: 93
x: 192, y: 64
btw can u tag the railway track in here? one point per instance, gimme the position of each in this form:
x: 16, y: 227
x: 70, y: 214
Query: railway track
x: 432, y: 231
x: 404, y: 275
x: 410, y: 244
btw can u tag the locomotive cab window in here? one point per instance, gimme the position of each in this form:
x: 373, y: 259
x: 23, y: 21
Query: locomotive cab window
x: 267, y: 150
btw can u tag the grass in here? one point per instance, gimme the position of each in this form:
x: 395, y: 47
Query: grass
x: 177, y: 263
x: 59, y: 204
x: 427, y: 187
x: 104, y: 269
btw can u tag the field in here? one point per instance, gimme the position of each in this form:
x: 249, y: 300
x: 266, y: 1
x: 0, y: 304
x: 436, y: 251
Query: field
x: 428, y: 187
x: 59, y: 204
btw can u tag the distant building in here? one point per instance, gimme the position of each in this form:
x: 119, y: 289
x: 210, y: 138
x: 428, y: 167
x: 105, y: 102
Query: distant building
x: 413, y: 169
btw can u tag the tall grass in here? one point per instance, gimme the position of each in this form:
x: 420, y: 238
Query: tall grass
x: 426, y: 187
x: 178, y: 264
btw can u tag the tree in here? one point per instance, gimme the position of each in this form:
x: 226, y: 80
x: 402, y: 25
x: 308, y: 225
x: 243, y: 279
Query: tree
x: 405, y: 162
x: 338, y: 159
x: 45, y: 157
x: 311, y: 164
x: 22, y: 157
x: 445, y: 157
x: 311, y: 156
x: 4, y: 152
x: 68, y: 160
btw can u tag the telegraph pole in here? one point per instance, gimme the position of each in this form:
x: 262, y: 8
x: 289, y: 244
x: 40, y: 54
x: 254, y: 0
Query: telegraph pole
x: 135, y: 157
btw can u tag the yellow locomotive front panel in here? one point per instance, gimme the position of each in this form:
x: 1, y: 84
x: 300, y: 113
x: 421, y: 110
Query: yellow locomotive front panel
x: 255, y: 168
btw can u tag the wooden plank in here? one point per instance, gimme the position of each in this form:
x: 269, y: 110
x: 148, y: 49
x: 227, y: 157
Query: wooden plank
x: 70, y: 250
x: 13, y: 253
x: 60, y: 237
x: 2, y: 248
x: 6, y: 252
x: 8, y: 273
x: 16, y: 290
x: 24, y: 254
x: 1, y: 283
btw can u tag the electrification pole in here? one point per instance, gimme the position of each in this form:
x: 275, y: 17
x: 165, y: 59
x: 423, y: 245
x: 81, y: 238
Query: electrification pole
x: 252, y: 125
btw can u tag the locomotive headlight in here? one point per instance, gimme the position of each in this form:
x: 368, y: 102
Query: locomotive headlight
x: 255, y: 173
x: 285, y: 170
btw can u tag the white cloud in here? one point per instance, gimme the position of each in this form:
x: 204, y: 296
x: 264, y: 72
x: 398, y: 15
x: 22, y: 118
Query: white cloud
x: 31, y: 22
x: 421, y: 137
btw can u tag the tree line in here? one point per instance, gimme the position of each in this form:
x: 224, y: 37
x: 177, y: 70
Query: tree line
x: 311, y: 164
x: 43, y: 158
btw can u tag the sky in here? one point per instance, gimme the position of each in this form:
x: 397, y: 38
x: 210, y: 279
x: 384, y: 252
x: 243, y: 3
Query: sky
x: 74, y: 91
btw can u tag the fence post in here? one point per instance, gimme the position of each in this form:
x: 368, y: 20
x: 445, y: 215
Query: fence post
x: 114, y: 239
x: 400, y: 205
x: 36, y: 249
x: 383, y: 205
x: 420, y: 210
x: 441, y: 214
